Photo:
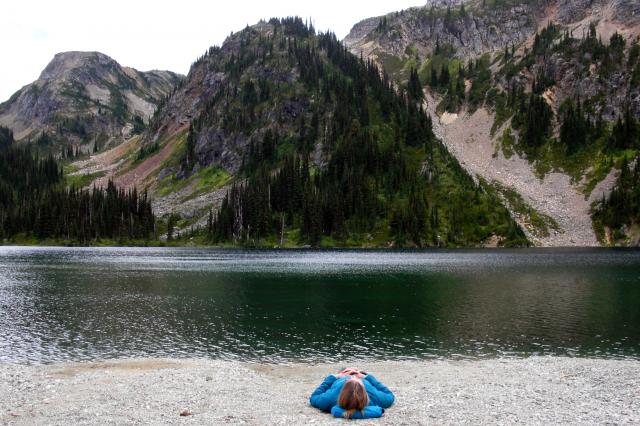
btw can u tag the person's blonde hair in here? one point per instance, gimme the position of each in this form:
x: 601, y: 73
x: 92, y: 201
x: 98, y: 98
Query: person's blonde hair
x: 353, y: 397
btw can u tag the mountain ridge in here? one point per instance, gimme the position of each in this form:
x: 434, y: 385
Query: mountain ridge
x: 85, y: 99
x: 475, y: 27
x: 281, y: 120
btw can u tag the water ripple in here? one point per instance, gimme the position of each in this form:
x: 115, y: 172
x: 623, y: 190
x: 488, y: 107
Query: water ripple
x: 278, y: 306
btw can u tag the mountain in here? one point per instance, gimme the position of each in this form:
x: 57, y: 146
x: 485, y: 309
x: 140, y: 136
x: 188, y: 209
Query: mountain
x: 539, y: 98
x: 85, y: 100
x: 419, y: 132
x: 282, y: 137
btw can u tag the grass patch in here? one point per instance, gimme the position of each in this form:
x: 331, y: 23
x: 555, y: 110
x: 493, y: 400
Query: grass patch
x: 603, y: 165
x: 170, y: 184
x: 506, y: 144
x: 391, y: 64
x: 30, y: 240
x: 211, y: 179
x: 178, y: 152
x: 206, y: 180
x: 82, y: 181
x: 69, y: 168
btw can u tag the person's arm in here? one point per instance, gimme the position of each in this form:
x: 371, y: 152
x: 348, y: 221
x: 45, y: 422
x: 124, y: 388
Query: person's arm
x: 382, y: 395
x: 324, y: 397
x: 369, y: 412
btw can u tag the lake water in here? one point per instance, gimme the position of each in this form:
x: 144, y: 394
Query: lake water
x: 61, y: 304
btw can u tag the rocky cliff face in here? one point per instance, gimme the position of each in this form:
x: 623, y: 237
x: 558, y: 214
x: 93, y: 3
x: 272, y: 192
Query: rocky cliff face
x: 472, y: 28
x: 475, y: 27
x: 84, y: 98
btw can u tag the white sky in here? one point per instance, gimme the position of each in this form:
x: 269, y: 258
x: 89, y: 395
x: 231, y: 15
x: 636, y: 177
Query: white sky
x: 147, y: 34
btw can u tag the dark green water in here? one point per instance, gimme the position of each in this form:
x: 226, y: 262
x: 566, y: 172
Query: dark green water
x: 81, y: 304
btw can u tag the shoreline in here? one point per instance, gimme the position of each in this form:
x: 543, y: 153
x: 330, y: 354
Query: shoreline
x: 156, y: 390
x: 320, y: 249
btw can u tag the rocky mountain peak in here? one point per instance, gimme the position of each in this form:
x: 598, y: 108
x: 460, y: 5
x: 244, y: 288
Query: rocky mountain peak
x: 444, y: 3
x: 65, y: 62
x: 85, y: 99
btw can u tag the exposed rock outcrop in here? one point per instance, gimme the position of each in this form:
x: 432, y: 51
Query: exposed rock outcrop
x: 472, y: 30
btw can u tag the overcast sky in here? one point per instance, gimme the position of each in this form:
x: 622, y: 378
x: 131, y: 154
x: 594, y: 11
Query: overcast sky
x: 147, y: 34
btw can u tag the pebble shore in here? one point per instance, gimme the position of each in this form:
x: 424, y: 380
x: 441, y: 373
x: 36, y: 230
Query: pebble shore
x: 544, y: 390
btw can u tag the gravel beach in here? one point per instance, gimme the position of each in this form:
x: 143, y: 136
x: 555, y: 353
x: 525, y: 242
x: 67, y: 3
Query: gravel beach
x: 543, y: 390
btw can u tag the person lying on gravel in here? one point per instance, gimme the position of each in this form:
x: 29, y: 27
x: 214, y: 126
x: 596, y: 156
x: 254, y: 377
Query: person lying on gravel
x: 352, y: 394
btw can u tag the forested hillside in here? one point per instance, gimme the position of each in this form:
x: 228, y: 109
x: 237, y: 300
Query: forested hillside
x: 324, y: 150
x: 36, y: 204
x: 559, y: 78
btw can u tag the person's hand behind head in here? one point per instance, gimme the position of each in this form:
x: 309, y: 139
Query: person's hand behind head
x: 346, y: 372
x: 353, y: 372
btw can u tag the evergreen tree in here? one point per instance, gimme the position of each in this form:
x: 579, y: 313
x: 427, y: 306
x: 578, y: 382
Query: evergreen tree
x: 574, y: 130
x: 533, y: 119
x: 414, y: 88
x: 6, y: 137
x: 625, y: 132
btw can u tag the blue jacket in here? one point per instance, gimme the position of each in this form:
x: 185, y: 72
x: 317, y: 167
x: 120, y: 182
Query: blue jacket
x: 326, y: 397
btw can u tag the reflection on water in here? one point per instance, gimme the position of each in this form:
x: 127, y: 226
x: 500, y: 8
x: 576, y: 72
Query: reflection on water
x: 81, y: 304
